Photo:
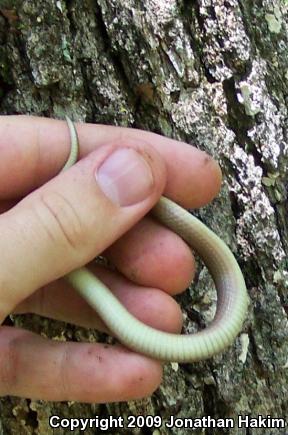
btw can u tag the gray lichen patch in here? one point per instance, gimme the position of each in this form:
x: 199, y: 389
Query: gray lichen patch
x: 192, y: 111
x: 224, y: 35
x: 267, y: 135
x: 257, y: 212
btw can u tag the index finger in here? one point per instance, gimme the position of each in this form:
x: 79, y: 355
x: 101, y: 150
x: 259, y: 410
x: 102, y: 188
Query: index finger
x: 33, y: 150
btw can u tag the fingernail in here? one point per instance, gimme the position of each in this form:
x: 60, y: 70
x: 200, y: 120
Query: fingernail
x: 125, y: 177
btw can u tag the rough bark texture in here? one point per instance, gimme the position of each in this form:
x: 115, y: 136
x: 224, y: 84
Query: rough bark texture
x: 212, y: 73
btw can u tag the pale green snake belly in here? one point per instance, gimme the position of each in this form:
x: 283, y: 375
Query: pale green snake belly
x: 232, y: 299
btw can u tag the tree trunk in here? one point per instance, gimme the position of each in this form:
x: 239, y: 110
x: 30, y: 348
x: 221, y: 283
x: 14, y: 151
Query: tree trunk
x: 214, y: 74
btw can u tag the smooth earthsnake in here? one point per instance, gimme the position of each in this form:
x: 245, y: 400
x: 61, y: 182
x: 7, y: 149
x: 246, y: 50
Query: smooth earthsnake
x: 232, y: 299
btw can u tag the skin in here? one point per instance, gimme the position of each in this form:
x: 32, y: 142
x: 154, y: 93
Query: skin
x: 33, y: 151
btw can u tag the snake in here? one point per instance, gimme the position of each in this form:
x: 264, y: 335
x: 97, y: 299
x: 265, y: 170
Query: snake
x: 232, y: 297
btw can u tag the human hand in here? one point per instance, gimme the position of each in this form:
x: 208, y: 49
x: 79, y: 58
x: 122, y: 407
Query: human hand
x: 63, y: 224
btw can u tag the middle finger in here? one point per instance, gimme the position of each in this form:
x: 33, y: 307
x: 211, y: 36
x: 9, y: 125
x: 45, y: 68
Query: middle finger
x: 60, y: 302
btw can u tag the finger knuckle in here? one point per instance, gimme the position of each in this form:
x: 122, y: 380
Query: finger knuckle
x: 9, y: 364
x: 60, y: 219
x: 63, y: 381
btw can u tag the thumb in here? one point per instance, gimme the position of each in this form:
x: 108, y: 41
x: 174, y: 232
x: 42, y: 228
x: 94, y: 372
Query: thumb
x: 74, y: 217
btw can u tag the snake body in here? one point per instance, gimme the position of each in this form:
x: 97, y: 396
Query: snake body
x: 232, y: 299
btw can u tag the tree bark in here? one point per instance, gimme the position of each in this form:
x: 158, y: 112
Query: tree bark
x: 214, y: 74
